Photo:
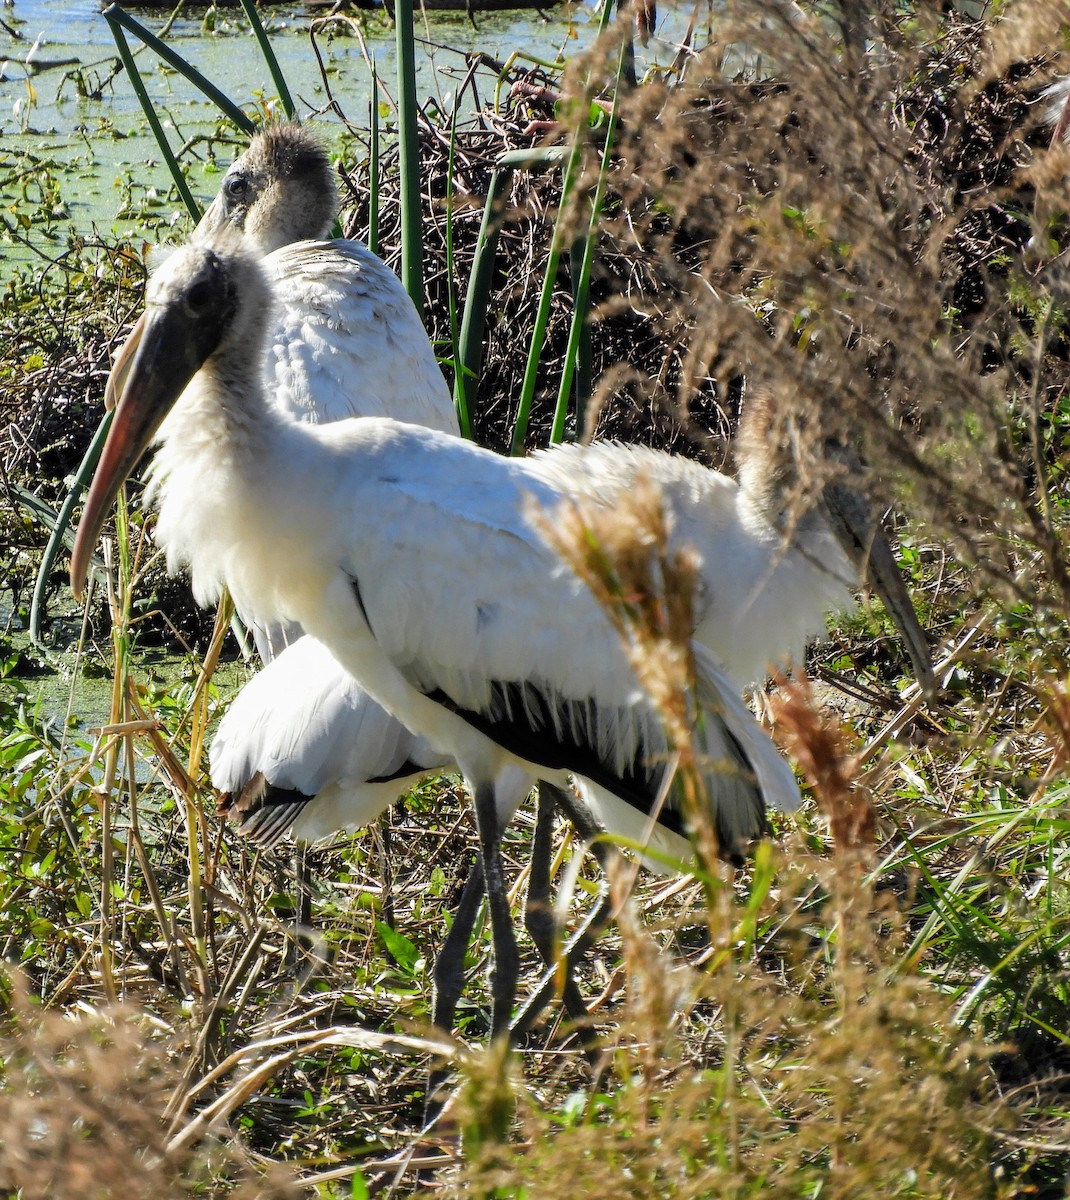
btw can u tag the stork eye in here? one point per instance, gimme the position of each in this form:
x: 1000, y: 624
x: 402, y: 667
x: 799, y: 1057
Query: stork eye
x: 199, y: 296
x: 236, y: 186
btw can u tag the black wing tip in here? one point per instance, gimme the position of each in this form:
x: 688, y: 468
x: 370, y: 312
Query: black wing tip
x: 262, y: 812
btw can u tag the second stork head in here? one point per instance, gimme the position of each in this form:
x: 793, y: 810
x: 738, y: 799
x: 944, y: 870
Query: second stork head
x: 280, y: 190
x: 799, y: 480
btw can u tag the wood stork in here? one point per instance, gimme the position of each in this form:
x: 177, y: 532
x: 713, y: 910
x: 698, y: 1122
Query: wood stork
x: 417, y: 559
x: 346, y: 341
x: 304, y: 749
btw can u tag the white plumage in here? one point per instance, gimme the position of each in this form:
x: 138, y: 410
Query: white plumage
x: 345, y: 341
x: 761, y: 599
x: 415, y: 558
x: 424, y: 574
x: 303, y: 749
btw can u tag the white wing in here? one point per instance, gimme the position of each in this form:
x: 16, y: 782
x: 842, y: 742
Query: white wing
x: 466, y: 600
x: 303, y: 729
x: 760, y: 601
x: 347, y: 341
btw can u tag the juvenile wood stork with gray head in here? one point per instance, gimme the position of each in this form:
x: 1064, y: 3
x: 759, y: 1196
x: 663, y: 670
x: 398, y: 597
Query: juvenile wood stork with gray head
x: 418, y: 560
x: 346, y: 339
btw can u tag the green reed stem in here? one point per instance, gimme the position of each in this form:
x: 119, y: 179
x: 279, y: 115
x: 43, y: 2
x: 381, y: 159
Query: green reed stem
x: 579, y: 330
x: 373, y: 167
x: 412, y: 267
x: 269, y: 57
x: 138, y: 84
x: 542, y: 314
x: 60, y: 530
x: 464, y: 418
x: 474, y: 314
x: 118, y: 17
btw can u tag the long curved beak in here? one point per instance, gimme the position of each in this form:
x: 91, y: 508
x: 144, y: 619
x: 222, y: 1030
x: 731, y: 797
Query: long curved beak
x: 166, y: 359
x: 211, y: 219
x: 860, y: 535
x: 120, y: 368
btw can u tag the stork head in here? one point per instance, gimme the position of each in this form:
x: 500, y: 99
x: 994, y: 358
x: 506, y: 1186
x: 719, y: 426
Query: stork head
x: 798, y: 480
x: 206, y: 299
x: 280, y: 190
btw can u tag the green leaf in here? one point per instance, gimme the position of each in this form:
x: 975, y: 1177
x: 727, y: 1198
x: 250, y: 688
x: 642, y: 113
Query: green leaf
x: 398, y: 946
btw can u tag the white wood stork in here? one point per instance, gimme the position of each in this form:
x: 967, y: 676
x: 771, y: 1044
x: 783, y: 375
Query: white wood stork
x: 416, y: 559
x: 345, y: 341
x: 758, y: 611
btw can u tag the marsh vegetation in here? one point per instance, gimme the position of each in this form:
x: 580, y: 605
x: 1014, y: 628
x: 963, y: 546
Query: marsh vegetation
x: 864, y: 215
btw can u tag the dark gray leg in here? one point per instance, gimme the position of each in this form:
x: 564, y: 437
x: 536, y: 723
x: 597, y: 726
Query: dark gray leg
x: 589, y: 829
x: 577, y: 947
x: 538, y: 909
x: 506, y: 956
x: 448, y: 971
x: 448, y: 974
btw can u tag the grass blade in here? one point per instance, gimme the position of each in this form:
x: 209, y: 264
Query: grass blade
x: 579, y: 332
x: 373, y: 166
x: 269, y: 57
x: 138, y: 84
x: 474, y: 315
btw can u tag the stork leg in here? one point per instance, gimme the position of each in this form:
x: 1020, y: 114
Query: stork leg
x: 580, y: 942
x: 506, y: 956
x: 448, y: 971
x: 448, y: 974
x: 538, y: 909
x: 587, y: 934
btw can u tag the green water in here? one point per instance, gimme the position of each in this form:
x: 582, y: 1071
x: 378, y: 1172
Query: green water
x: 77, y: 158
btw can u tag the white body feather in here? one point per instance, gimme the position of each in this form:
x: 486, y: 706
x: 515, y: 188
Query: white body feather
x: 761, y: 601
x: 413, y: 556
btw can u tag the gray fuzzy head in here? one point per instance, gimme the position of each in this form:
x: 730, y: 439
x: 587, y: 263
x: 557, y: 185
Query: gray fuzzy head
x: 281, y: 190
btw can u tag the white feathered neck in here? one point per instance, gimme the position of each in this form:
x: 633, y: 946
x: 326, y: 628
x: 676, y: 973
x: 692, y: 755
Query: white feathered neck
x: 218, y: 467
